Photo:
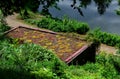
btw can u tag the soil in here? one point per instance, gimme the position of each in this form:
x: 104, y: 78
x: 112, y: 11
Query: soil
x: 108, y: 49
x: 13, y: 22
x: 63, y: 46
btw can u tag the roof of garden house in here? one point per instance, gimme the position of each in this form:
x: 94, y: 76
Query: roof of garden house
x: 65, y: 47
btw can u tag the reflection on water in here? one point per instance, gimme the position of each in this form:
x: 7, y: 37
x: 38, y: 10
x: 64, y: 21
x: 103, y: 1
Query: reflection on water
x: 90, y: 11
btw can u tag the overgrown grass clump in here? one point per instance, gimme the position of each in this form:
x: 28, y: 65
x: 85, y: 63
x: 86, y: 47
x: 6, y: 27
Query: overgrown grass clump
x: 64, y: 25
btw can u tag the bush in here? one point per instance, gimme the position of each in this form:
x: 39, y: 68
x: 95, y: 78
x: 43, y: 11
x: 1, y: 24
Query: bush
x: 64, y: 25
x: 3, y: 28
x: 3, y: 24
x: 27, y: 61
x: 110, y: 64
x: 105, y: 67
x: 106, y: 38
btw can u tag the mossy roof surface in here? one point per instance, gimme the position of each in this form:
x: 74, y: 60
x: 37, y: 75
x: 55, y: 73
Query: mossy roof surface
x: 62, y: 45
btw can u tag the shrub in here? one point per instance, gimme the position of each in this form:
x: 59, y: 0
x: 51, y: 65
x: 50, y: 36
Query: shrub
x: 44, y: 73
x: 105, y: 67
x: 3, y: 25
x: 64, y: 25
x: 106, y: 38
x: 3, y: 28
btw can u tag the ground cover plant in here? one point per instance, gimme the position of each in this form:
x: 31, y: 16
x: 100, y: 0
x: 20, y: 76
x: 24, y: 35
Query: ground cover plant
x: 64, y: 25
x: 3, y: 28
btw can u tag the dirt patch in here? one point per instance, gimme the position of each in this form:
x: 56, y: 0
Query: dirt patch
x: 108, y: 49
x: 12, y: 21
x: 63, y: 46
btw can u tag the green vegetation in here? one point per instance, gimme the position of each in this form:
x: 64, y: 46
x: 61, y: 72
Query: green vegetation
x: 118, y: 11
x: 64, y: 25
x: 30, y: 61
x: 106, y: 67
x: 106, y: 38
x: 21, y: 6
x: 3, y: 28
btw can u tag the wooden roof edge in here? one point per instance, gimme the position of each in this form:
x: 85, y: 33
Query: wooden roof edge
x: 73, y: 56
x: 6, y: 32
x: 32, y: 28
x: 38, y: 29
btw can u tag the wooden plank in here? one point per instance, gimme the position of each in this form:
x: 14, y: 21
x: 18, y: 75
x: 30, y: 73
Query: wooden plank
x: 73, y: 56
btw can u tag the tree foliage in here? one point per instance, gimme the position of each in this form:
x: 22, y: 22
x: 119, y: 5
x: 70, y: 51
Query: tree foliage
x: 9, y: 6
x: 46, y: 4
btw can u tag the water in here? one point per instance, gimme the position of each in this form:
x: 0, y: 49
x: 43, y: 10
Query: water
x: 109, y: 21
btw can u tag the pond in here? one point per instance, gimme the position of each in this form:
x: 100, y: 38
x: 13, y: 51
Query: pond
x: 107, y: 20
